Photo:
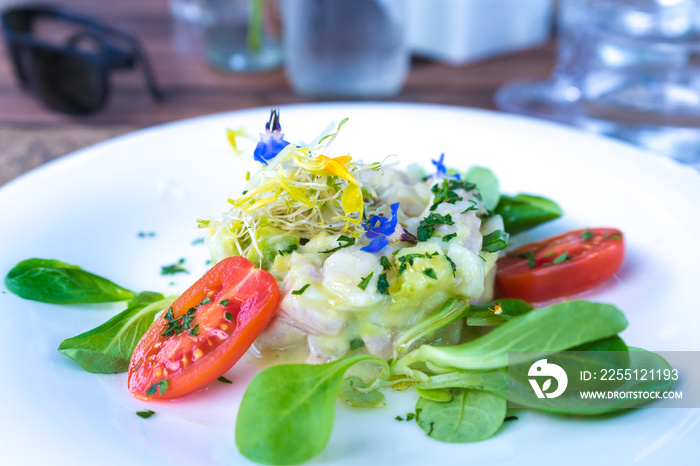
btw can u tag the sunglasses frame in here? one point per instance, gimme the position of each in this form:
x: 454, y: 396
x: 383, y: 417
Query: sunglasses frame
x: 117, y: 49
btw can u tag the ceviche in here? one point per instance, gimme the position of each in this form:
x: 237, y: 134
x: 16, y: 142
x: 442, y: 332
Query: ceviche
x: 344, y: 279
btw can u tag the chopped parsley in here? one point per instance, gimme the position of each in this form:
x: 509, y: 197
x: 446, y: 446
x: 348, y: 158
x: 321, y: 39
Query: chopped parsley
x: 206, y: 300
x: 383, y: 284
x: 195, y: 331
x: 145, y: 413
x: 510, y: 418
x: 453, y: 265
x: 409, y: 258
x: 175, y: 325
x: 430, y: 273
x: 365, y: 281
x: 472, y: 206
x: 197, y: 241
x: 161, y: 386
x: 224, y: 302
x: 386, y: 265
x: 228, y: 316
x: 561, y: 258
x: 530, y: 256
x: 426, y: 228
x: 224, y: 379
x: 346, y: 240
x: 356, y: 343
x: 409, y: 417
x: 495, y: 241
x: 586, y: 235
x: 288, y: 250
x: 447, y: 238
x: 445, y: 191
x: 146, y: 234
x: 301, y: 290
x: 172, y: 269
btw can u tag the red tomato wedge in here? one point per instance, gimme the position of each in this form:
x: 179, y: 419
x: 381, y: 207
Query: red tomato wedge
x: 561, y: 266
x: 204, y: 332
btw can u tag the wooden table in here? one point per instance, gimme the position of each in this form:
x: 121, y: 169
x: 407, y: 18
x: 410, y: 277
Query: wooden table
x: 31, y: 135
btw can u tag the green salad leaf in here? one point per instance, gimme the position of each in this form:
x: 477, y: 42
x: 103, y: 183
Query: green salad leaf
x: 286, y: 415
x: 525, y: 211
x: 107, y: 349
x: 555, y: 328
x: 53, y: 281
x: 487, y: 184
x: 470, y: 416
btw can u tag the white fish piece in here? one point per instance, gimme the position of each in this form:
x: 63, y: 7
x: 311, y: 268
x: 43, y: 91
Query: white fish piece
x: 324, y: 349
x: 311, y: 310
x: 342, y: 273
x: 470, y: 271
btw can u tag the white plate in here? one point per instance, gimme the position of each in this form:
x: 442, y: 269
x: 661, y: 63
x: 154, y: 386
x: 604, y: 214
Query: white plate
x: 88, y: 209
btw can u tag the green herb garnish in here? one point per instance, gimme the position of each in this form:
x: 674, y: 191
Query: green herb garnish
x: 383, y: 284
x: 145, y: 413
x: 426, y: 228
x: 223, y: 379
x: 172, y: 269
x: 356, y: 343
x: 161, y: 386
x: 346, y: 240
x: 447, y: 238
x: 365, y: 281
x: 561, y: 258
x: 301, y: 290
x: 386, y: 265
x: 430, y: 273
x: 586, y: 235
x: 495, y: 241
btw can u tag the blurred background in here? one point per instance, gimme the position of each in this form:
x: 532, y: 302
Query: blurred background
x: 625, y: 68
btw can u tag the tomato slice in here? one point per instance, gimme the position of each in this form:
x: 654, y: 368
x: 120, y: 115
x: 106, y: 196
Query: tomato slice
x: 561, y: 266
x: 204, y: 332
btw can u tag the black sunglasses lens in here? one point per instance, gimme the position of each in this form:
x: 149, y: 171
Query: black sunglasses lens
x: 65, y: 81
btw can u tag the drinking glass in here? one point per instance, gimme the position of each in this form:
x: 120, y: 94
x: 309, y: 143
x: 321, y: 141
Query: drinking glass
x: 345, y: 48
x: 641, y: 74
x: 242, y: 35
x: 555, y: 98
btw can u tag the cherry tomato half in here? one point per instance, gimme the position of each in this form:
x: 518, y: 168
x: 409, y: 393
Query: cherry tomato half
x: 204, y: 332
x: 561, y: 266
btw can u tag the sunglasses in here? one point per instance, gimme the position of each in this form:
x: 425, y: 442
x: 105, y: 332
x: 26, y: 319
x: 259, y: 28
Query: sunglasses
x: 72, y: 77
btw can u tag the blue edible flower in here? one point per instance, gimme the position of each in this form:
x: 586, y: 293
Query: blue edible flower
x: 441, y: 169
x: 379, y: 229
x: 272, y: 141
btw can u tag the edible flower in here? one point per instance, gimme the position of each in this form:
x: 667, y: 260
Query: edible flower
x: 441, y: 169
x: 272, y: 141
x: 232, y: 135
x: 379, y: 229
x: 351, y: 200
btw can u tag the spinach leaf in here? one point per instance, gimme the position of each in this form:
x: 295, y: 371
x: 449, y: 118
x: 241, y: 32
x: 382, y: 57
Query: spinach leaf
x: 495, y: 381
x: 287, y: 412
x: 548, y: 330
x: 353, y: 392
x: 525, y: 211
x: 52, y: 281
x: 107, y: 349
x: 487, y: 184
x: 484, y: 315
x: 451, y: 310
x: 470, y: 416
